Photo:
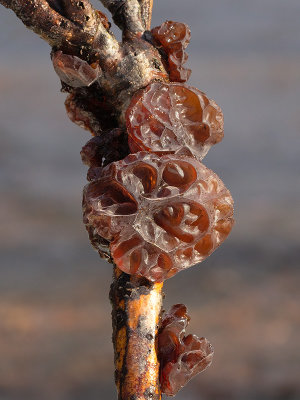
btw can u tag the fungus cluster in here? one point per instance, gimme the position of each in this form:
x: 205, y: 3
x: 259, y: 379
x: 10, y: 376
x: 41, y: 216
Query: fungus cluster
x: 151, y: 206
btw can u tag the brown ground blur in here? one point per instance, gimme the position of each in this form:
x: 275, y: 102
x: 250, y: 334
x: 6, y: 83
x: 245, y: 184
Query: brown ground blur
x: 55, y: 328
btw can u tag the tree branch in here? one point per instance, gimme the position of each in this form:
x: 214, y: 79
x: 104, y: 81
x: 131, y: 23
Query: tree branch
x: 136, y: 313
x: 81, y: 13
x: 126, y: 14
x: 146, y: 11
x: 60, y: 31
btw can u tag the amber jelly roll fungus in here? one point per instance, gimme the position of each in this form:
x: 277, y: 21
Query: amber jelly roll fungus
x: 173, y: 119
x: 160, y: 214
x: 172, y: 38
x: 181, y: 357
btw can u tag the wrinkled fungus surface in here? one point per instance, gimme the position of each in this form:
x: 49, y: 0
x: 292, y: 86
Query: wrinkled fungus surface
x: 73, y: 70
x: 160, y: 214
x: 174, y: 37
x: 173, y: 118
x: 181, y: 357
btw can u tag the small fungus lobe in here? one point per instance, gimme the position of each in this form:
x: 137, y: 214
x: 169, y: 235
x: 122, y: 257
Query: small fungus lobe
x: 181, y: 357
x: 102, y: 150
x: 74, y: 71
x: 174, y: 37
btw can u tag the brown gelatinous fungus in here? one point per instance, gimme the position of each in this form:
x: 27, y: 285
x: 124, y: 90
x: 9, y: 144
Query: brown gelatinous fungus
x: 173, y: 118
x: 174, y: 38
x: 90, y: 111
x: 161, y: 214
x: 74, y: 71
x: 181, y: 357
x: 102, y: 150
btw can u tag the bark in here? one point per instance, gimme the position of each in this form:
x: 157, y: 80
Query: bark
x: 136, y: 313
x: 51, y: 21
x: 130, y: 15
x: 126, y: 14
x: 146, y: 12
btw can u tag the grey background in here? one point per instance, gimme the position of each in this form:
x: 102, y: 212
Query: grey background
x: 55, y: 329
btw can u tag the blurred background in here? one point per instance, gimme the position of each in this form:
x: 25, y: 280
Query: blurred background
x: 55, y: 327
